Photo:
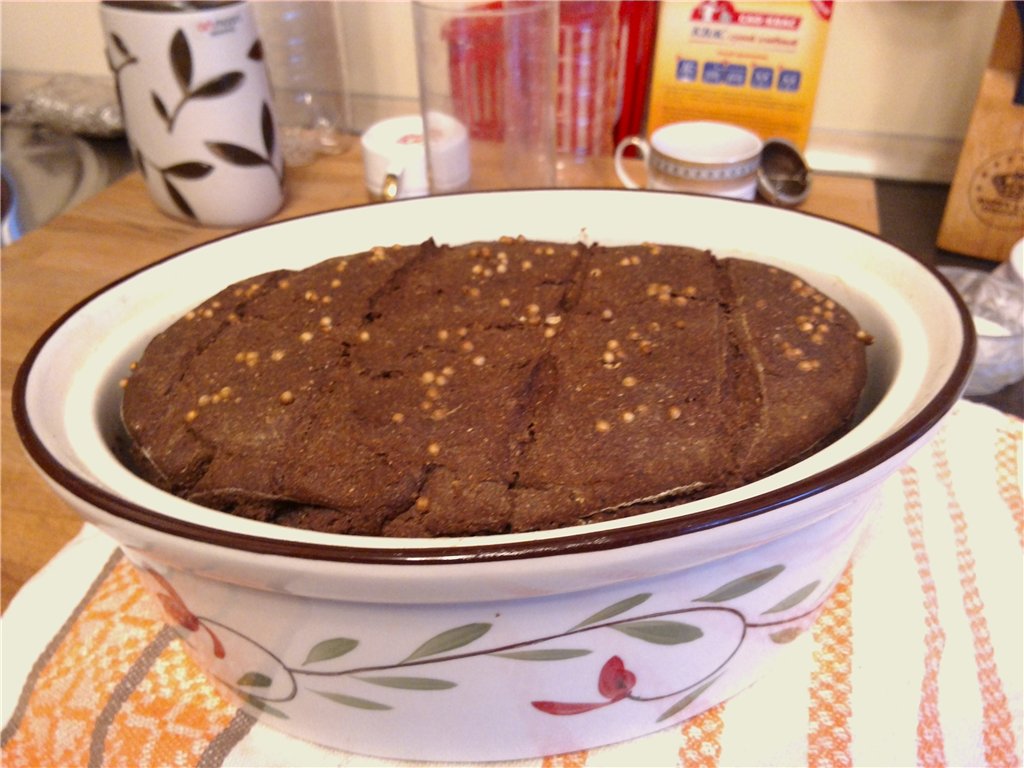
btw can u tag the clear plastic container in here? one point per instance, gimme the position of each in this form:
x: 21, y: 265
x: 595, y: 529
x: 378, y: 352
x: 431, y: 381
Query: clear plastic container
x: 996, y: 302
x: 487, y: 72
x: 300, y: 47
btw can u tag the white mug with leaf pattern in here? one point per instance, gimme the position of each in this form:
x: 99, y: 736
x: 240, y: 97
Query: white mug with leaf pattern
x: 197, y: 108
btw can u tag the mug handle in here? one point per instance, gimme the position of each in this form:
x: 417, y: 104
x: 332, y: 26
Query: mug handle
x: 620, y: 169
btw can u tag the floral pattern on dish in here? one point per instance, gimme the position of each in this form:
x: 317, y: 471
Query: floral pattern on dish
x: 616, y: 682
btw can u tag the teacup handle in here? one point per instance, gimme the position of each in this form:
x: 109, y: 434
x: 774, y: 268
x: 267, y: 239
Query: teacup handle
x: 620, y: 169
x: 390, y: 189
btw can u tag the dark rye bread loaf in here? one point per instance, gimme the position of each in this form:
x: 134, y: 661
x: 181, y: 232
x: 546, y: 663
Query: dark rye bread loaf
x: 508, y: 386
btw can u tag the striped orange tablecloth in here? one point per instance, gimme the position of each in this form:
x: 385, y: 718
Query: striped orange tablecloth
x: 916, y: 658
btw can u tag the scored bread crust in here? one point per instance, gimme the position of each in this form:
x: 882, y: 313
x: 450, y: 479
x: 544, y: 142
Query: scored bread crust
x: 430, y: 390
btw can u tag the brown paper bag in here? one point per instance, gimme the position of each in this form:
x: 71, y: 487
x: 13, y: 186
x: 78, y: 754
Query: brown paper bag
x: 984, y: 213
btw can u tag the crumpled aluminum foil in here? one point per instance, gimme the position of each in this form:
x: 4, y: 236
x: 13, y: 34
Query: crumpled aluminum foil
x: 79, y: 104
x: 996, y: 302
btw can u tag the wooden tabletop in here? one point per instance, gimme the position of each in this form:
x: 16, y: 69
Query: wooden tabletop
x: 120, y: 230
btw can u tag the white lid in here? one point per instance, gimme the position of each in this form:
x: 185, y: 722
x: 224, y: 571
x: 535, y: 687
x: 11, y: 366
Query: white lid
x: 396, y: 146
x: 448, y: 144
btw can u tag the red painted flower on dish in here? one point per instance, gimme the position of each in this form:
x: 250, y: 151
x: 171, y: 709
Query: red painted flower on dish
x: 614, y: 683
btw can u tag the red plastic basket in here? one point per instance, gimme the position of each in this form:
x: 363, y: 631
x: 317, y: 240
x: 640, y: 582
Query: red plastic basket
x: 477, y: 70
x: 590, y: 75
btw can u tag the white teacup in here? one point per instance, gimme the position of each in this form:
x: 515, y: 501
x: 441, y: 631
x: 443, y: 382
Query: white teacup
x: 701, y: 156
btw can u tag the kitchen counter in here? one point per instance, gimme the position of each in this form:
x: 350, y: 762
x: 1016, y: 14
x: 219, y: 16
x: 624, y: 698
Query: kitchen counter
x: 118, y: 231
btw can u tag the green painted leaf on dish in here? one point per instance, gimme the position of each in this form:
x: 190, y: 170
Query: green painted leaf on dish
x: 252, y: 699
x: 661, y: 632
x: 794, y: 599
x: 449, y: 640
x: 263, y: 706
x: 615, y: 609
x: 410, y: 683
x: 545, y: 654
x: 353, y: 701
x: 686, y: 701
x: 254, y: 680
x: 330, y: 649
x: 742, y: 585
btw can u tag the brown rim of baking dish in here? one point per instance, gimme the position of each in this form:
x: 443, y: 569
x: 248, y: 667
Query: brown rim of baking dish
x: 573, y: 542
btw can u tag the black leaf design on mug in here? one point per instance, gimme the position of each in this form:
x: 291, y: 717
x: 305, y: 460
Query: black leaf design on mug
x: 189, y: 170
x: 125, y: 58
x: 219, y: 86
x: 245, y: 157
x: 236, y: 154
x: 268, y: 130
x: 140, y: 161
x: 181, y: 60
x: 256, y: 51
x: 121, y: 47
x: 182, y: 65
x: 158, y: 105
x: 178, y: 199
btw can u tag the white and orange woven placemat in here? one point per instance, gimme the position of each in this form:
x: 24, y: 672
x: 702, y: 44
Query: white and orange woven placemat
x: 916, y: 659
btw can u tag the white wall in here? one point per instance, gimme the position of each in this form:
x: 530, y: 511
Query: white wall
x: 897, y: 85
x: 51, y: 37
x: 905, y: 67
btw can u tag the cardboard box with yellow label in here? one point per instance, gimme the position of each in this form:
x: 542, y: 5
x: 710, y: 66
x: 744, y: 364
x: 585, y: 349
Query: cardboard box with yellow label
x: 755, y: 64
